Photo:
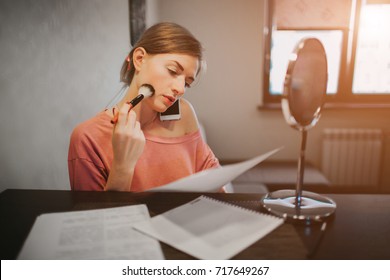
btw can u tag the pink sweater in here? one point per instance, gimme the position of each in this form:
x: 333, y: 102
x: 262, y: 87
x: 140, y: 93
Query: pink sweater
x: 163, y: 160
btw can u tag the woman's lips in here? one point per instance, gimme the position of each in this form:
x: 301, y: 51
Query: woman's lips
x: 170, y: 99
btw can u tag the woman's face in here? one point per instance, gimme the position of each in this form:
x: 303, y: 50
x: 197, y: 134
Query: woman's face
x: 169, y: 74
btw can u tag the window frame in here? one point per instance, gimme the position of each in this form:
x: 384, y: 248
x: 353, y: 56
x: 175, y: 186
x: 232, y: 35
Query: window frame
x: 343, y: 98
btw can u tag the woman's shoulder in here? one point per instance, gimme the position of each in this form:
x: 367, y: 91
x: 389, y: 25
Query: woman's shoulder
x: 91, y: 127
x: 90, y: 140
x: 188, y: 115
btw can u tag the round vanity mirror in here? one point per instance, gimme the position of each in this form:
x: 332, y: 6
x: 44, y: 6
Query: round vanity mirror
x: 305, y: 84
x: 302, y: 100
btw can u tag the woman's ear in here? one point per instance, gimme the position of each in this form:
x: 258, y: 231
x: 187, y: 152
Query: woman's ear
x: 139, y: 55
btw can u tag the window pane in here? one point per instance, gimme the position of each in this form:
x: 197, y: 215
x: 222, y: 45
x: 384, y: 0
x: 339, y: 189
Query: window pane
x: 311, y: 14
x: 283, y: 44
x: 372, y: 63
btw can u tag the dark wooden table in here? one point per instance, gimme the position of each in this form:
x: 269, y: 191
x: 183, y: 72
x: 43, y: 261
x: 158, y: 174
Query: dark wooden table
x: 360, y: 229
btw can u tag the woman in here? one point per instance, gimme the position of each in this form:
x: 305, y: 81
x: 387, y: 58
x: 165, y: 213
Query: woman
x: 140, y: 151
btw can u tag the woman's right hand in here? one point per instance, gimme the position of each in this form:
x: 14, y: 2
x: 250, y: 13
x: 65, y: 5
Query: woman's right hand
x: 128, y: 142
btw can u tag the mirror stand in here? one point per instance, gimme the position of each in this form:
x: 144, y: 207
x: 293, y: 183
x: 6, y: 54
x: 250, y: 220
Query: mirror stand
x: 302, y: 100
x: 299, y: 205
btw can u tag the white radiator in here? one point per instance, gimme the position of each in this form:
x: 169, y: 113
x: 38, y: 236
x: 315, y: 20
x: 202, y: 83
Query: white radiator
x: 352, y: 157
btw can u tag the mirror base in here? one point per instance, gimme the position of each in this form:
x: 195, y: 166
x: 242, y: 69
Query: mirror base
x: 313, y: 207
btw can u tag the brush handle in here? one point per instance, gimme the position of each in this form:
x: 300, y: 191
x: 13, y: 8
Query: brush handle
x: 132, y: 104
x: 136, y: 100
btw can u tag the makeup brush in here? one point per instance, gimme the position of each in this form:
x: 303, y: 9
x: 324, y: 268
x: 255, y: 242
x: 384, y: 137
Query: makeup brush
x: 144, y: 91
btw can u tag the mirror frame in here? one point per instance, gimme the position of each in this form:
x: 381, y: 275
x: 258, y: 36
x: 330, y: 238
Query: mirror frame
x: 290, y: 113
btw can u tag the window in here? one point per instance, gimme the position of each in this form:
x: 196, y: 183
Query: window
x: 356, y: 41
x: 372, y: 60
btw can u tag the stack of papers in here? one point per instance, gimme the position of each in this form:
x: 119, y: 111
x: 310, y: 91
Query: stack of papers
x: 91, y: 234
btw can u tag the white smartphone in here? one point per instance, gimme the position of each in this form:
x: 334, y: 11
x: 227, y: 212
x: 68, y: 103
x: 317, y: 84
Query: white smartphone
x: 172, y: 113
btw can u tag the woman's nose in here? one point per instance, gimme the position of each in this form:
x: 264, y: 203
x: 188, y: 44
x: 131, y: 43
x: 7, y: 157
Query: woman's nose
x: 179, y: 87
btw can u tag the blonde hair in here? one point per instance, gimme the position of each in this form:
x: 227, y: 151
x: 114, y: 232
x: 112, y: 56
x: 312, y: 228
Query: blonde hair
x: 165, y: 37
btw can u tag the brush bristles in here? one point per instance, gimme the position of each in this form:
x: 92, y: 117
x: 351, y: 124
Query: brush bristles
x: 146, y: 90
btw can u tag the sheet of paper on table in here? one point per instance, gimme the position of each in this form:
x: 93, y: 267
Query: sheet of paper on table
x: 209, y: 229
x: 91, y: 234
x: 211, y: 180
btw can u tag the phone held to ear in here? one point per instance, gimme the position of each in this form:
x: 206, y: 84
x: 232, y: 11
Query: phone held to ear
x: 172, y: 113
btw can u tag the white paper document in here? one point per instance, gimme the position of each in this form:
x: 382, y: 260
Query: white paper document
x: 91, y: 234
x: 213, y: 179
x: 209, y: 229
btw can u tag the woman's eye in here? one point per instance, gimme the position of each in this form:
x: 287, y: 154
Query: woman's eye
x: 172, y: 71
x: 175, y: 73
